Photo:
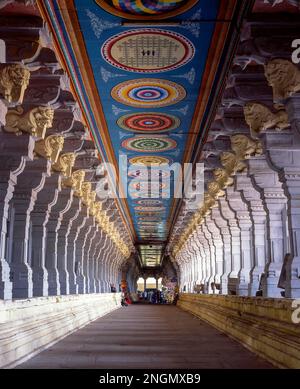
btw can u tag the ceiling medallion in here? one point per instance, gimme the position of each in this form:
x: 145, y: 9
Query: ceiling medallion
x: 145, y: 174
x: 150, y: 203
x: 146, y: 9
x: 148, y: 50
x: 145, y: 213
x: 153, y: 122
x: 149, y: 160
x: 149, y: 144
x: 150, y: 219
x: 148, y: 92
x: 144, y: 186
x: 150, y: 209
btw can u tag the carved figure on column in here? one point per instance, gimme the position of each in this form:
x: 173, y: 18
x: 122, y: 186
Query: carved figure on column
x: 14, y: 79
x: 50, y: 148
x: 260, y: 118
x: 35, y: 122
x: 284, y: 77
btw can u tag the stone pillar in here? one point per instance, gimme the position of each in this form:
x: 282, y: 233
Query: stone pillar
x: 235, y: 233
x: 61, y: 252
x: 91, y: 259
x: 226, y: 238
x: 286, y: 156
x: 259, y: 217
x: 79, y: 242
x: 274, y: 201
x: 89, y: 226
x: 245, y: 225
x: 72, y: 263
x: 29, y: 184
x: 15, y: 153
x: 63, y: 199
x: 45, y: 200
x: 218, y: 245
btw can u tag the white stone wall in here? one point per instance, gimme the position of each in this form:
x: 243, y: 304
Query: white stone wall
x: 29, y: 326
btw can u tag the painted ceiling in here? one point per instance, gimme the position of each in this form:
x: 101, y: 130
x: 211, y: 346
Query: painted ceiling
x: 147, y: 61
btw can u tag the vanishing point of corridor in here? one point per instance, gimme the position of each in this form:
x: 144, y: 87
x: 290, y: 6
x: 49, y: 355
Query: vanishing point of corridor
x: 147, y: 336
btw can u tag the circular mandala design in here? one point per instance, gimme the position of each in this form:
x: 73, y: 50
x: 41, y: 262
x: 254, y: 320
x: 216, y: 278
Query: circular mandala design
x: 148, y: 50
x: 148, y: 92
x: 145, y: 213
x: 143, y: 174
x: 144, y: 186
x: 150, y: 203
x: 149, y: 209
x: 150, y: 219
x: 149, y: 144
x: 148, y: 122
x: 149, y: 160
x: 146, y: 9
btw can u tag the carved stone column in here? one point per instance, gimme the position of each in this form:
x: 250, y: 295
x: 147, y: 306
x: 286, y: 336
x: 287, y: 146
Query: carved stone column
x: 79, y: 242
x: 245, y: 225
x: 89, y: 227
x: 45, y: 200
x: 229, y: 215
x: 29, y: 184
x: 259, y: 217
x: 15, y: 152
x: 274, y: 201
x: 218, y: 245
x: 226, y: 238
x: 61, y: 252
x: 62, y: 202
x: 92, y: 260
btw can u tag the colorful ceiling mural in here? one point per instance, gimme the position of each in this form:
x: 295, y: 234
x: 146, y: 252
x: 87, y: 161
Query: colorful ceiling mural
x: 144, y: 61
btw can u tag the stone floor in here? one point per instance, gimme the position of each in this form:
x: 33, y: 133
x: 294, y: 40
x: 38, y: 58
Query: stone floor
x: 147, y: 336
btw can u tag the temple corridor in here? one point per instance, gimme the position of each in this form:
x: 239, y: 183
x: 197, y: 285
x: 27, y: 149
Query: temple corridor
x: 150, y: 184
x: 147, y: 336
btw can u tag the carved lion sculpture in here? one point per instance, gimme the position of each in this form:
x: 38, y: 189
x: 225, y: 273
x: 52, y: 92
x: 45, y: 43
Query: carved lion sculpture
x: 77, y: 179
x: 65, y: 164
x: 231, y: 163
x: 214, y: 189
x: 259, y: 118
x: 222, y: 177
x: 34, y: 122
x: 14, y: 80
x: 245, y: 147
x: 284, y: 77
x: 50, y: 148
x: 86, y: 189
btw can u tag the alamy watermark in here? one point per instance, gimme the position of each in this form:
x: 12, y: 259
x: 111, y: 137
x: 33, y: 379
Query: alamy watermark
x: 296, y: 313
x: 296, y: 52
x: 151, y: 181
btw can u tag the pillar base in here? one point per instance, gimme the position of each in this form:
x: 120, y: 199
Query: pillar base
x: 64, y: 281
x: 53, y: 281
x: 81, y: 284
x: 242, y: 289
x: 40, y: 282
x: 292, y: 289
x: 22, y: 281
x: 5, y: 283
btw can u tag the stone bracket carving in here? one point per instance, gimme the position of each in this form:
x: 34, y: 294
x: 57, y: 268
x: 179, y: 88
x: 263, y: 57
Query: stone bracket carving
x: 14, y: 79
x: 35, y: 122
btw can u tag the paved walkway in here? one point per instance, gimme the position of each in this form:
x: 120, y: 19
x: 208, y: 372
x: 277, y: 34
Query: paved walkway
x: 147, y: 336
